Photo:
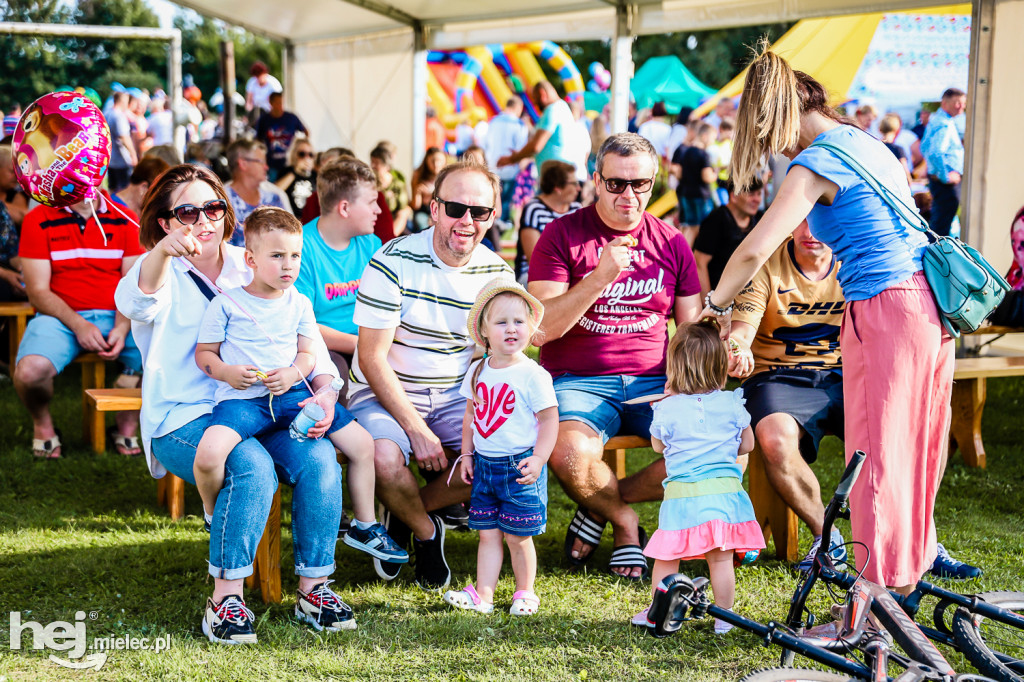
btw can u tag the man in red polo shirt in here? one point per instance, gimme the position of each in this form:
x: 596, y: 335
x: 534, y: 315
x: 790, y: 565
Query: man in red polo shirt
x: 72, y: 260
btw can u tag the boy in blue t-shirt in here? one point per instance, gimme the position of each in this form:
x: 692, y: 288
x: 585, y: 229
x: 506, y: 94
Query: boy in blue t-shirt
x: 336, y: 248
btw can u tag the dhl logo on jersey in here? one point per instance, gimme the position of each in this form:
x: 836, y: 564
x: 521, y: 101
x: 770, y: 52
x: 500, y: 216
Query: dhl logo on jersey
x: 819, y: 308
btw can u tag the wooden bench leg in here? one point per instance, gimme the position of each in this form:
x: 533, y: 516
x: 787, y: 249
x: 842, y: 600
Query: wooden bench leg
x: 266, y: 570
x: 616, y: 461
x: 773, y: 515
x: 94, y: 375
x: 170, y: 493
x: 15, y: 330
x: 968, y: 406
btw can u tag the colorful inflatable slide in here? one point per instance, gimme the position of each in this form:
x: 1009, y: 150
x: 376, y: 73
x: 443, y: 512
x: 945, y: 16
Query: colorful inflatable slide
x: 474, y: 85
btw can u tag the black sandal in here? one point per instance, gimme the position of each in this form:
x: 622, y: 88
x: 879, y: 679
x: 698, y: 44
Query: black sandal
x: 587, y: 530
x: 631, y: 556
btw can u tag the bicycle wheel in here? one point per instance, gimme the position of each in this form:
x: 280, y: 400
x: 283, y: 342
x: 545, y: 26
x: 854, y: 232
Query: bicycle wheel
x: 981, y: 639
x: 797, y: 675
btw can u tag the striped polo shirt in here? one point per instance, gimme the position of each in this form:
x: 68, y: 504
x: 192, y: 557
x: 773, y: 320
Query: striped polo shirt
x: 408, y: 288
x: 84, y: 271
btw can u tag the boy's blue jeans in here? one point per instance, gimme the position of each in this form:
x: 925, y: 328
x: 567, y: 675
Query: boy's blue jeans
x: 251, y: 476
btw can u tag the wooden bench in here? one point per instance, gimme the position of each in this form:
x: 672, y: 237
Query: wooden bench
x: 615, y: 452
x: 17, y: 315
x: 98, y: 401
x: 266, y: 570
x: 968, y: 403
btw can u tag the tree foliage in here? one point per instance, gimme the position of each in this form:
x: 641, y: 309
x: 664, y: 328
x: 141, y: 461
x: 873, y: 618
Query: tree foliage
x: 200, y: 46
x: 35, y: 65
x: 31, y: 66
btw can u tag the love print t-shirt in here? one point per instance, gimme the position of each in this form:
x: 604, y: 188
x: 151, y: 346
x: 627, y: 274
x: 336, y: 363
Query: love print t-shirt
x: 625, y: 330
x: 507, y: 403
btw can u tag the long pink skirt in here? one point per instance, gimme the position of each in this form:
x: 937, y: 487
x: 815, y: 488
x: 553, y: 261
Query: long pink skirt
x: 897, y: 382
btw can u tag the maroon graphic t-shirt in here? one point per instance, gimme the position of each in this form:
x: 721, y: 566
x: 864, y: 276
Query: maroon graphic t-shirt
x: 625, y: 331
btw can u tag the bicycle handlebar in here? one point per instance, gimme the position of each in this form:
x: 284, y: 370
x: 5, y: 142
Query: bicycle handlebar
x: 850, y: 475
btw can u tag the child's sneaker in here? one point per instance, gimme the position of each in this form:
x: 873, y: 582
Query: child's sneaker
x: 376, y: 542
x: 322, y: 609
x: 640, y: 619
x: 524, y: 603
x: 468, y: 599
x: 229, y: 622
x: 837, y: 552
x: 721, y: 627
x: 402, y: 536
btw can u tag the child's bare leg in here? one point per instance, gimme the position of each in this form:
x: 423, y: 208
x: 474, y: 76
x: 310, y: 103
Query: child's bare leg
x: 662, y: 569
x: 489, y: 556
x: 524, y: 561
x: 723, y: 576
x: 356, y: 444
x: 211, y: 453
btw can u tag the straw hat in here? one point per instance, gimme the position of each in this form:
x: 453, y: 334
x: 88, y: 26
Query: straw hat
x: 500, y: 285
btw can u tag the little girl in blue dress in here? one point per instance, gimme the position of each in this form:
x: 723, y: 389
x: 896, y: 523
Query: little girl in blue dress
x: 701, y: 429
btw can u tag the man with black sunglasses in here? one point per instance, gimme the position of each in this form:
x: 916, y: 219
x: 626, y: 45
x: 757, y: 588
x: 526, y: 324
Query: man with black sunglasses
x: 610, y: 276
x: 412, y: 353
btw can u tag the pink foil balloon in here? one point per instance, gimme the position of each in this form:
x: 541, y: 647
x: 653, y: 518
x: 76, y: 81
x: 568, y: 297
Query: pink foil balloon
x: 61, y: 149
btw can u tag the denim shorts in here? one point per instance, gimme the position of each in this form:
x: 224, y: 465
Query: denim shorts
x: 598, y: 402
x: 812, y: 397
x: 693, y: 210
x: 497, y: 501
x: 49, y: 337
x: 251, y: 417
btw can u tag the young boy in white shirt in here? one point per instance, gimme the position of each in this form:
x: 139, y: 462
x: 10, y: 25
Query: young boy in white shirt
x: 257, y: 340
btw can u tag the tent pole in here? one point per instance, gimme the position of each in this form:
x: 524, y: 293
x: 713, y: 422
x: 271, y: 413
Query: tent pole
x: 419, y: 94
x: 622, y: 66
x: 174, y: 90
x: 978, y: 116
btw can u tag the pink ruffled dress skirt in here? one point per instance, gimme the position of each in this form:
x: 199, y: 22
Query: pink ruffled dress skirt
x: 703, y: 515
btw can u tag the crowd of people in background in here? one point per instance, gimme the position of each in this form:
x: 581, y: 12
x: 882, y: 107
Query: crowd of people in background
x: 393, y: 274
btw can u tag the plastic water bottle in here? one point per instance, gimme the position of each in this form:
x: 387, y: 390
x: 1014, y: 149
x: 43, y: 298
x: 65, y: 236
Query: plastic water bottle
x: 315, y: 410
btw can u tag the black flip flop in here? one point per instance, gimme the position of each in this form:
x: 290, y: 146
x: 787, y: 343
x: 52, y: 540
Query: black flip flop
x: 587, y: 530
x: 631, y: 556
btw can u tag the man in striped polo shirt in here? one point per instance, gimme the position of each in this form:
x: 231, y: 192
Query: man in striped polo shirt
x: 412, y: 353
x: 72, y: 259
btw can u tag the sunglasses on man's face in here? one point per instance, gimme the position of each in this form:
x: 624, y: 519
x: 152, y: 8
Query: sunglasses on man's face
x: 455, y: 210
x: 619, y: 185
x: 188, y: 214
x: 305, y: 155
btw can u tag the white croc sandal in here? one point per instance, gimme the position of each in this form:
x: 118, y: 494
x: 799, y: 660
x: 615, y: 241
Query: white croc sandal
x: 468, y: 599
x: 524, y: 603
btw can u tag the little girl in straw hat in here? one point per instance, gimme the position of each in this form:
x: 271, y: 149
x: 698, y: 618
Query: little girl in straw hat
x: 508, y: 433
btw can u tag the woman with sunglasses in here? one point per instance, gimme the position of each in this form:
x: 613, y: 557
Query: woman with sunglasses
x: 298, y: 179
x: 186, y: 223
x: 897, y: 360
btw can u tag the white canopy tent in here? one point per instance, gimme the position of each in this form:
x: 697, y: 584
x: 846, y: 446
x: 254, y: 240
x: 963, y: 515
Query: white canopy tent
x: 355, y: 69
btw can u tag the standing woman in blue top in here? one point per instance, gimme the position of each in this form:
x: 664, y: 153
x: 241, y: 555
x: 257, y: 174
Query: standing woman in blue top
x: 897, y: 359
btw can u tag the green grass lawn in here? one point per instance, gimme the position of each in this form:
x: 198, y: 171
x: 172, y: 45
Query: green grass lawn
x: 85, y: 534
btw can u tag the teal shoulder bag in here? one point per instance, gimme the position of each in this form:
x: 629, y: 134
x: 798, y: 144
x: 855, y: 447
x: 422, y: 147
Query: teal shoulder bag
x: 966, y: 286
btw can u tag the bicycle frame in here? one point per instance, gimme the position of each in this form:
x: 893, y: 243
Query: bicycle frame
x: 864, y: 600
x: 894, y: 611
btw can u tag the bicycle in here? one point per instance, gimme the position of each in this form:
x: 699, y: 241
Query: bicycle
x: 987, y: 628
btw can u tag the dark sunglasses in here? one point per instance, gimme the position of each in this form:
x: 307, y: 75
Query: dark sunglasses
x: 456, y: 210
x: 619, y: 185
x: 187, y: 214
x: 306, y: 155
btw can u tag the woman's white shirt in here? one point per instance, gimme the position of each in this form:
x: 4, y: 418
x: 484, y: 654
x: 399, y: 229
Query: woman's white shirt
x: 165, y: 325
